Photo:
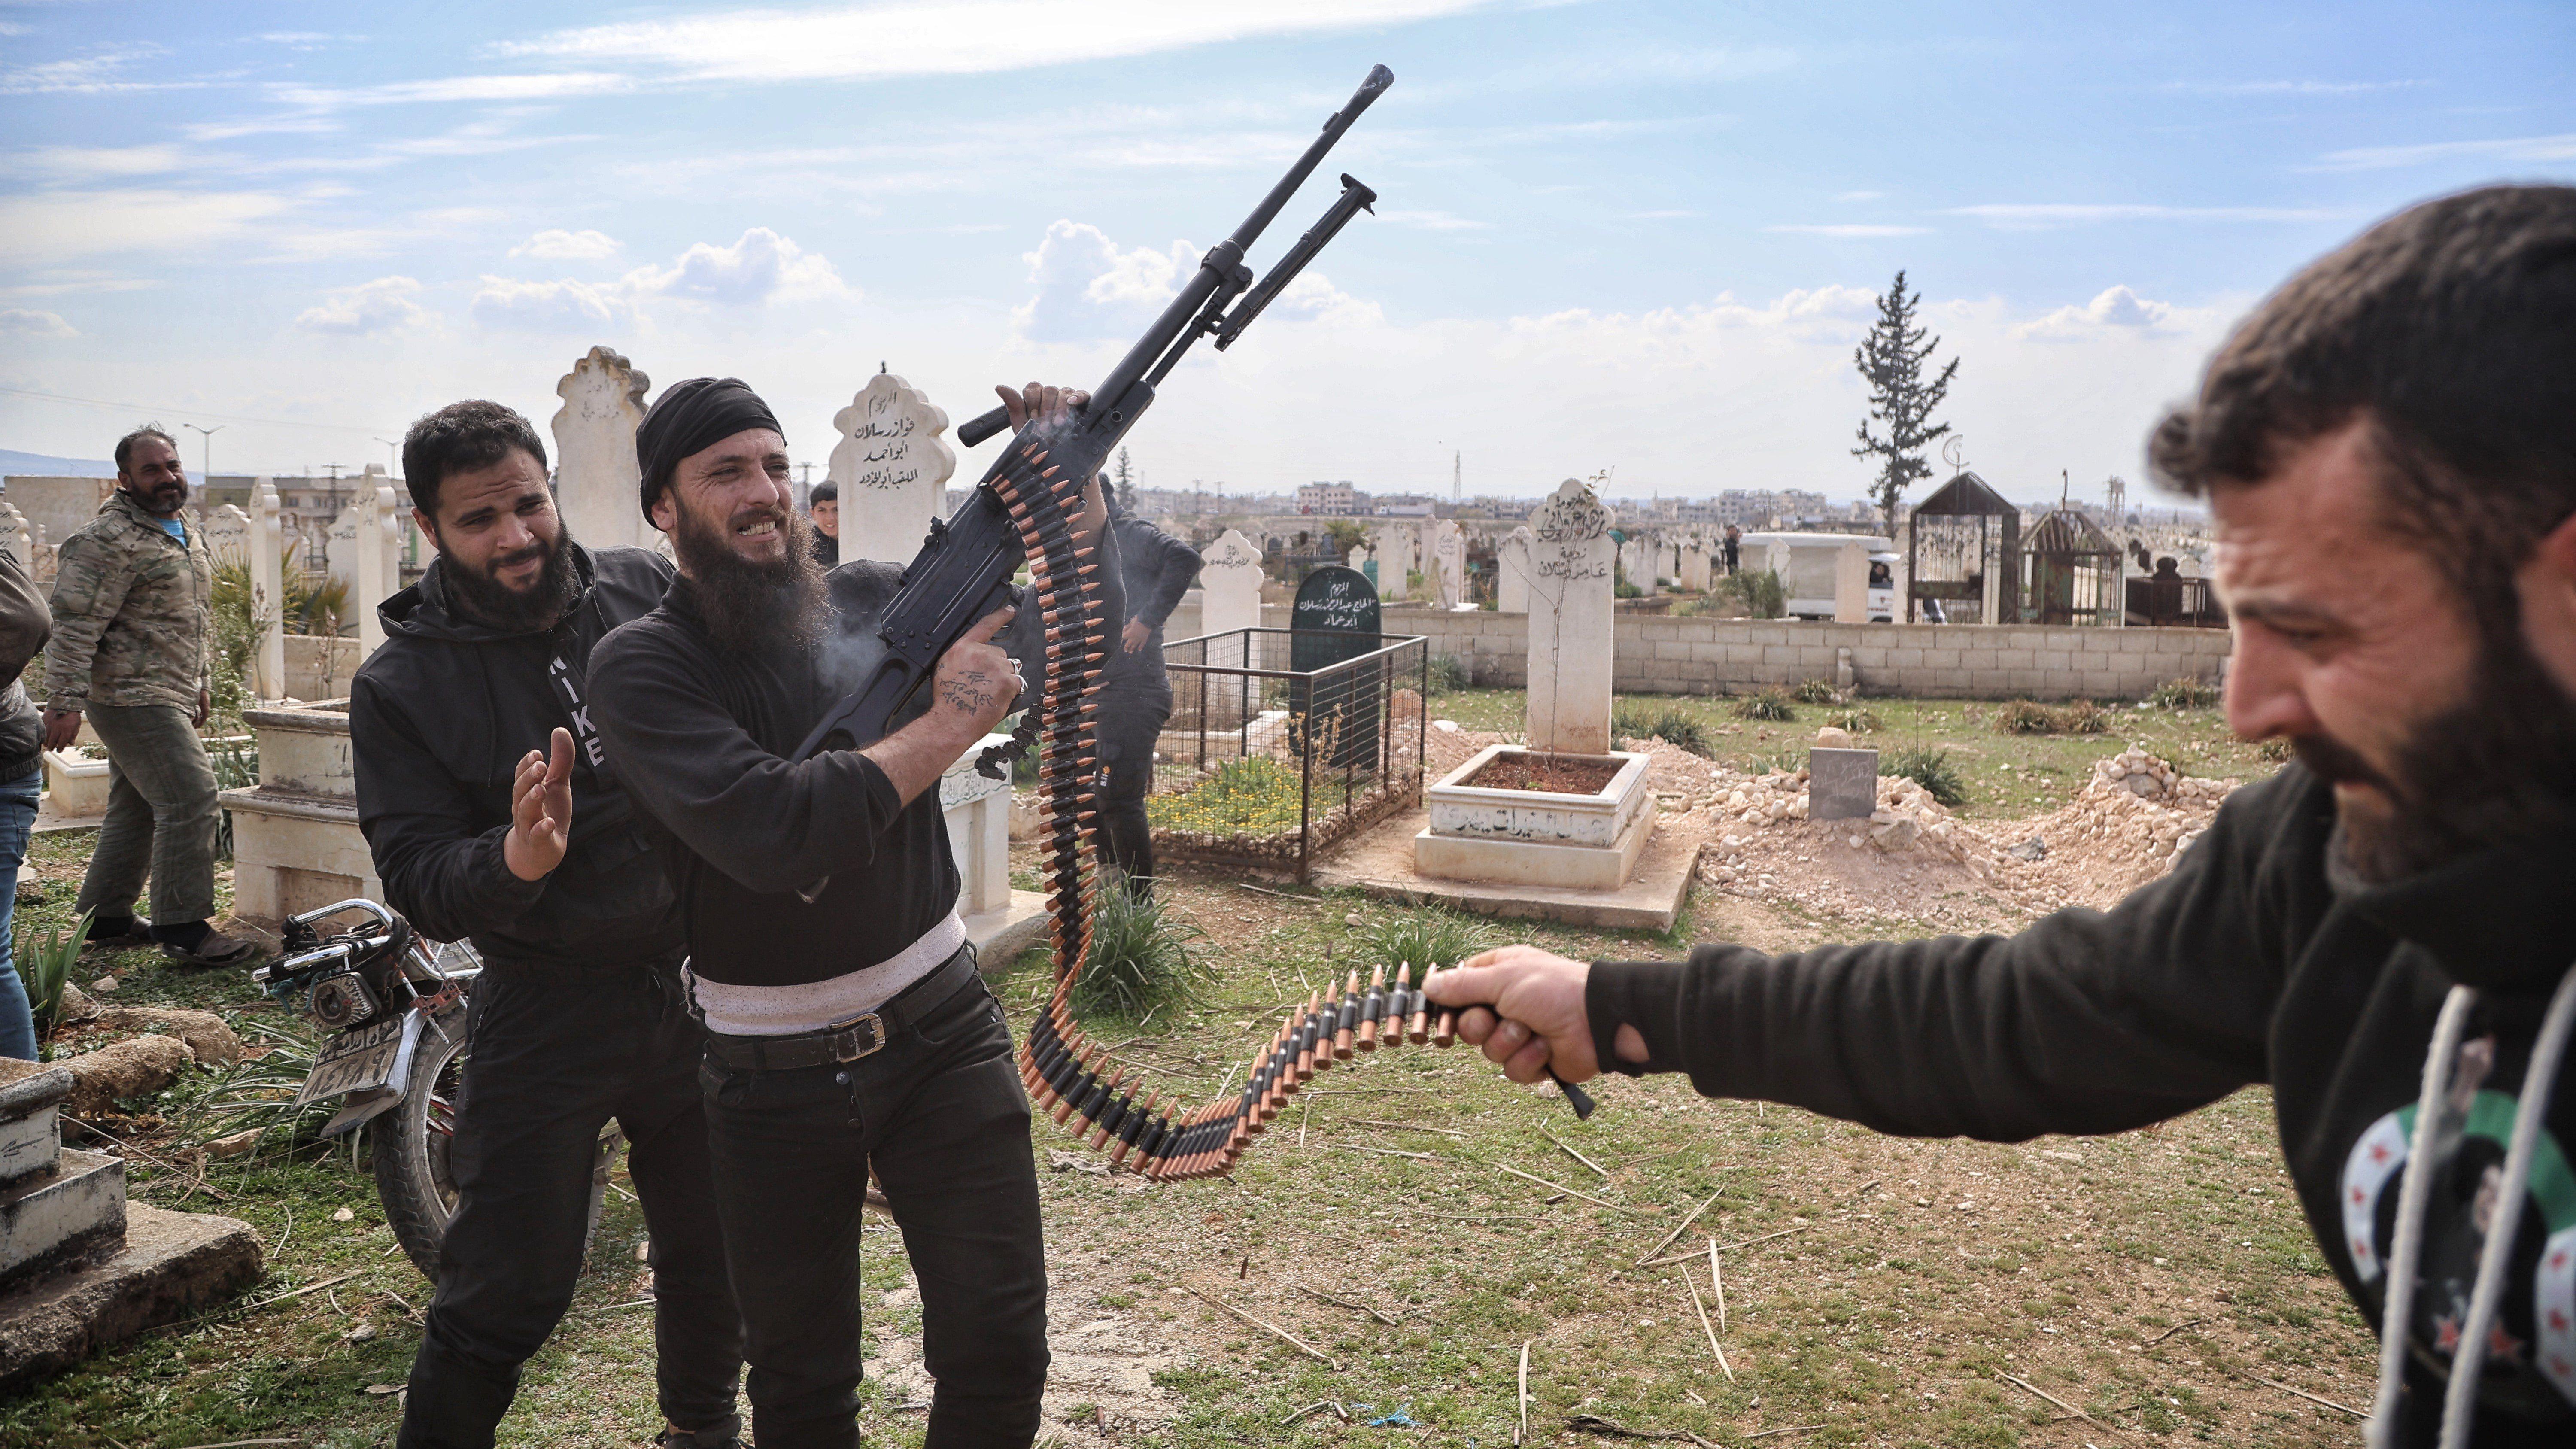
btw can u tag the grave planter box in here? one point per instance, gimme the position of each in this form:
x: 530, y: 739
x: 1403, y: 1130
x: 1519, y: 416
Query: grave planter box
x: 296, y: 843
x: 77, y: 779
x: 1537, y: 837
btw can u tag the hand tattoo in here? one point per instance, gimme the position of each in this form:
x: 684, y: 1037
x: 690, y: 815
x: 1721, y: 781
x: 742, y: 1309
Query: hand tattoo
x: 968, y: 691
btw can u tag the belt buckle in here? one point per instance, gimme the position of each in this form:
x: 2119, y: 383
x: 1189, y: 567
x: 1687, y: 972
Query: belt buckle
x: 840, y: 1029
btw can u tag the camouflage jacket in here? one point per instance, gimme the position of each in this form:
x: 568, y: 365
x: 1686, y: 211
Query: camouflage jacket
x: 131, y: 612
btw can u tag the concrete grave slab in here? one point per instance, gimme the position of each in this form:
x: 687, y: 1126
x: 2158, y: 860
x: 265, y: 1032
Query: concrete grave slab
x: 174, y: 1265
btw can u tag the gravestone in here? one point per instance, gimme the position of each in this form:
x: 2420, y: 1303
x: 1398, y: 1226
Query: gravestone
x: 1448, y: 573
x: 1395, y: 561
x: 892, y: 466
x: 1841, y: 784
x: 597, y: 480
x: 1230, y: 602
x: 227, y: 533
x: 1512, y: 572
x: 1570, y: 622
x: 1334, y: 619
x: 1637, y: 563
x: 267, y: 591
x: 1693, y: 572
x: 379, y: 562
x: 1851, y: 584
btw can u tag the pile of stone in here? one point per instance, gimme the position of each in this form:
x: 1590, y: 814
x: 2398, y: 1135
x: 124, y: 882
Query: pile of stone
x: 2136, y: 815
x: 2138, y: 773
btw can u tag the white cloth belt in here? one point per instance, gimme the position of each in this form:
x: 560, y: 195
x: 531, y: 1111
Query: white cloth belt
x: 813, y: 1005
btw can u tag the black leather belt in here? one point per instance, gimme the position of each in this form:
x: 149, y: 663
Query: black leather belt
x: 859, y: 1036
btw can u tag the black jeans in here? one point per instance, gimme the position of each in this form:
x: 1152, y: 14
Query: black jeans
x: 1125, y: 733
x: 557, y: 1051
x: 940, y: 1113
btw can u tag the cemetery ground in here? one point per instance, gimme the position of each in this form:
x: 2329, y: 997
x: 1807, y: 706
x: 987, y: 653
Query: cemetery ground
x: 1412, y: 1222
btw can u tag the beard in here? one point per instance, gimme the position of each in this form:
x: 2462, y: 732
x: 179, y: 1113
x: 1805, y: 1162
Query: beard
x: 482, y: 597
x: 162, y: 499
x: 753, y: 607
x: 2497, y: 767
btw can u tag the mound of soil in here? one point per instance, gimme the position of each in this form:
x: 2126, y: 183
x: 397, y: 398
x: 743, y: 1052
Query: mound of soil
x: 1557, y: 774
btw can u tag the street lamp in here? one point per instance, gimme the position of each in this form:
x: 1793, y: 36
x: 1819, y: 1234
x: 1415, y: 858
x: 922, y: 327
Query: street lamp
x: 393, y: 459
x: 206, y: 468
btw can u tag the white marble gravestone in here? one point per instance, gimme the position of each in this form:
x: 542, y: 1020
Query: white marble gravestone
x: 1851, y: 584
x: 379, y: 561
x: 267, y: 591
x: 1570, y: 595
x: 1512, y: 572
x: 1637, y: 563
x: 1230, y: 585
x: 892, y: 466
x: 1448, y: 573
x: 15, y: 535
x: 597, y: 481
x: 1395, y: 562
x: 1692, y: 573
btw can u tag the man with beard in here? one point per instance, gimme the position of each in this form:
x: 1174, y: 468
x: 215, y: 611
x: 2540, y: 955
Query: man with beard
x: 2382, y: 931
x: 131, y: 607
x: 847, y: 1028
x: 490, y: 815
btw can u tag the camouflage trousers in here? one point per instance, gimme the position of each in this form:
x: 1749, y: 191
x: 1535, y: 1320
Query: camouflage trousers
x: 161, y: 816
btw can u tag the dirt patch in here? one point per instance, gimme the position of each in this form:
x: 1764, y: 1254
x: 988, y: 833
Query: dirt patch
x: 1556, y: 774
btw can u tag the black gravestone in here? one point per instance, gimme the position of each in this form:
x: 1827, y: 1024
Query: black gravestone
x: 1334, y: 620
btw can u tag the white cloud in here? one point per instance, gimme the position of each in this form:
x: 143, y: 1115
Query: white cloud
x: 2515, y: 148
x: 2041, y: 215
x: 955, y: 37
x: 89, y: 163
x: 100, y: 72
x: 48, y: 226
x: 759, y: 266
x: 383, y: 305
x: 505, y: 302
x: 1088, y: 288
x: 556, y: 245
x: 1850, y: 230
x: 23, y: 322
x: 1431, y: 220
x: 1859, y: 195
x: 2114, y: 308
x: 534, y: 87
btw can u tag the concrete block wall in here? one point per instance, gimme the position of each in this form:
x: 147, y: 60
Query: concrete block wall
x: 320, y: 666
x: 1658, y: 655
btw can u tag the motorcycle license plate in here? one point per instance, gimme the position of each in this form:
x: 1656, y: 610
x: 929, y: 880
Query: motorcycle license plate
x: 356, y: 1060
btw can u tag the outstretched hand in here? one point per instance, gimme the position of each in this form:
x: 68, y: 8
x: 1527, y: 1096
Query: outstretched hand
x: 1040, y: 403
x: 540, y: 810
x: 1524, y: 1006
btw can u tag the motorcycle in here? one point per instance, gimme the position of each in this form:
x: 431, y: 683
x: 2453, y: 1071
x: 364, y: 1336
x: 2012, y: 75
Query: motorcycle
x: 397, y: 1004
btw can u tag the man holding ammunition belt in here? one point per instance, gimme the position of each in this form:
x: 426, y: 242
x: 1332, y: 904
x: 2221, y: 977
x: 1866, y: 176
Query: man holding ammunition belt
x: 847, y: 1025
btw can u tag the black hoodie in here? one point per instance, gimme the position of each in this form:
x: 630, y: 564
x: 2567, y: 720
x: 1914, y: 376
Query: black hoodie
x: 2255, y: 960
x: 440, y: 717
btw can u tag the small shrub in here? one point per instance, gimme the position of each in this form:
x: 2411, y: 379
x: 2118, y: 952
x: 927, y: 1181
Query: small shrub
x: 2024, y: 717
x: 1423, y: 938
x: 1771, y: 704
x: 1931, y: 767
x: 1815, y: 691
x: 1759, y: 590
x: 1139, y: 959
x: 1857, y: 720
x: 1673, y: 725
x: 2276, y: 750
x: 1626, y: 590
x: 259, y: 1090
x: 1446, y: 674
x: 46, y: 965
x: 2083, y: 717
x: 2184, y: 693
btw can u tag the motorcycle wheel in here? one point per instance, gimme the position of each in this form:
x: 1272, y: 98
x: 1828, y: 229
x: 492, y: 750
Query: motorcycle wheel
x: 411, y: 1142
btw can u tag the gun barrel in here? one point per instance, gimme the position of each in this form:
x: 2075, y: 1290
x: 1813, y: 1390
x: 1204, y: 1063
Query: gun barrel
x: 1175, y: 323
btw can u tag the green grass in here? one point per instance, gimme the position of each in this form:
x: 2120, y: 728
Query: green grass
x: 1932, y: 768
x: 1770, y: 704
x: 1139, y: 961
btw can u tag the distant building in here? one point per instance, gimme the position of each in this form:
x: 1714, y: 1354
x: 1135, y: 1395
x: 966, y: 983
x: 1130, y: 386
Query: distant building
x: 1333, y: 500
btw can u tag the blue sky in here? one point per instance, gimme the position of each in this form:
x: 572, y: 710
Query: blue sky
x: 1615, y: 235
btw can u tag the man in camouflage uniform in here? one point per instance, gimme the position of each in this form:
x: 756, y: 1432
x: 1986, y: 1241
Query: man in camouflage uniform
x: 131, y: 615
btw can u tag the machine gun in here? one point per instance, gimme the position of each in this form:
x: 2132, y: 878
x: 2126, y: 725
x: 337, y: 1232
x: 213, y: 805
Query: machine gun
x: 964, y: 569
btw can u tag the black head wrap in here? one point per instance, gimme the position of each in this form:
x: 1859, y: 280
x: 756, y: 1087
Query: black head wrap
x: 689, y: 417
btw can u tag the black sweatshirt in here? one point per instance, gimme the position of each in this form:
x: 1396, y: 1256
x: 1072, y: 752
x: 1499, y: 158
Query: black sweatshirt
x: 701, y: 736
x: 1153, y: 570
x: 2254, y: 961
x: 439, y: 718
